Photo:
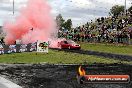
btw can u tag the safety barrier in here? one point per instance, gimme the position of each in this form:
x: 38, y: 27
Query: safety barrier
x: 18, y: 48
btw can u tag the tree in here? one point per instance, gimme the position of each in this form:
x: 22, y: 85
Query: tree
x: 116, y: 10
x: 130, y: 9
x: 68, y: 24
x: 60, y: 21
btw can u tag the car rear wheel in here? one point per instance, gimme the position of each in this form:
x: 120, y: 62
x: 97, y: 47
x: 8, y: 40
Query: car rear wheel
x: 60, y: 47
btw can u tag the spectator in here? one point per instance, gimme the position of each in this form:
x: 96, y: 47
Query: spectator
x: 115, y: 29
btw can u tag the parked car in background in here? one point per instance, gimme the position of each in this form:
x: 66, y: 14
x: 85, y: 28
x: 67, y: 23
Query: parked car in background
x: 68, y: 44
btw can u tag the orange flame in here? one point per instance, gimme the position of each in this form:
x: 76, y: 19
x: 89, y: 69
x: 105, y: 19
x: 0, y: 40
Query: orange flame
x: 81, y: 71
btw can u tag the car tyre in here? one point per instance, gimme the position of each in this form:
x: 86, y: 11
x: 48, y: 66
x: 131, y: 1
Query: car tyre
x: 69, y: 47
x: 60, y: 47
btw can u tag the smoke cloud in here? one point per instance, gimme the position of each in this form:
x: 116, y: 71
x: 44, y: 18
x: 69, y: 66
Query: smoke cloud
x: 35, y: 22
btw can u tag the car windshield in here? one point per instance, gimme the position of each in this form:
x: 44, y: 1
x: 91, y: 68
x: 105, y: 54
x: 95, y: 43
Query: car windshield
x: 71, y: 42
x: 65, y: 42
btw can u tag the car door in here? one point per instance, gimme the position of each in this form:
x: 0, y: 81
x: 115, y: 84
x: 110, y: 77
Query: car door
x: 65, y: 44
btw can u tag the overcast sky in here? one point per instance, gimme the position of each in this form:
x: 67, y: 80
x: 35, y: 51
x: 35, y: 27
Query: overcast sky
x: 80, y: 11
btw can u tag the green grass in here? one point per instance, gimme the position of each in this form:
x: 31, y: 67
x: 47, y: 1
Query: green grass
x: 55, y: 57
x: 109, y: 48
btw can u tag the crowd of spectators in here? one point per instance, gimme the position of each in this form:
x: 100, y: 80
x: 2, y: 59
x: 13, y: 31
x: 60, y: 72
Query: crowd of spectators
x: 2, y: 41
x: 113, y: 29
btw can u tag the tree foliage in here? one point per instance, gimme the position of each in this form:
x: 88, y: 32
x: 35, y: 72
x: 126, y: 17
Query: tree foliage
x: 62, y: 23
x: 115, y: 10
x: 68, y: 24
x: 130, y: 9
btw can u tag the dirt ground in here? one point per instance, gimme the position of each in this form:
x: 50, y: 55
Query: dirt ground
x: 61, y: 76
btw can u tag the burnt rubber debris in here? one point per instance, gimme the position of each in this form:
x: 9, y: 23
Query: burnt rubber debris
x: 102, y: 54
x: 61, y: 76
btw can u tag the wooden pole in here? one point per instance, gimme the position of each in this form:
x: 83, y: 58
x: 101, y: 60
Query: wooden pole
x: 13, y: 7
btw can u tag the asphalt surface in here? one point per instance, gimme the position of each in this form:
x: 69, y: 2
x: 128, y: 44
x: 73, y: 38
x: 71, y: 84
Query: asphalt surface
x: 61, y: 76
x: 102, y: 54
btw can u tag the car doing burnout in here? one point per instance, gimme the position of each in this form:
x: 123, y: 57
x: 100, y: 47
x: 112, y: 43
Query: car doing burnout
x: 68, y: 44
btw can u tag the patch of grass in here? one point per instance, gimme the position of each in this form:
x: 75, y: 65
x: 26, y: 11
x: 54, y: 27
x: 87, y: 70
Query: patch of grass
x: 109, y: 48
x: 56, y: 57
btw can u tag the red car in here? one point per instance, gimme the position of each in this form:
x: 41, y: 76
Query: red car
x: 68, y: 44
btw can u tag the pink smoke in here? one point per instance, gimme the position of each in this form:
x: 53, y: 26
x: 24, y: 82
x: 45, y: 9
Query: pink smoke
x: 35, y: 15
x: 54, y: 42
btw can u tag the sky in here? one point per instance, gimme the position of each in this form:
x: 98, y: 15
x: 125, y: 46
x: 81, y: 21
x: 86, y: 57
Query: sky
x: 80, y: 11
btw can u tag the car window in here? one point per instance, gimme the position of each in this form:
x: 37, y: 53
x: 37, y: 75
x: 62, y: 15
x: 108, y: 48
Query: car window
x: 65, y: 42
x: 71, y: 42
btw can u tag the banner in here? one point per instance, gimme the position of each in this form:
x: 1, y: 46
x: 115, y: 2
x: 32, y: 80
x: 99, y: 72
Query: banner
x: 12, y: 49
x: 18, y: 48
x: 42, y: 46
x: 6, y: 49
x: 23, y: 48
x: 33, y: 47
x: 29, y: 47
